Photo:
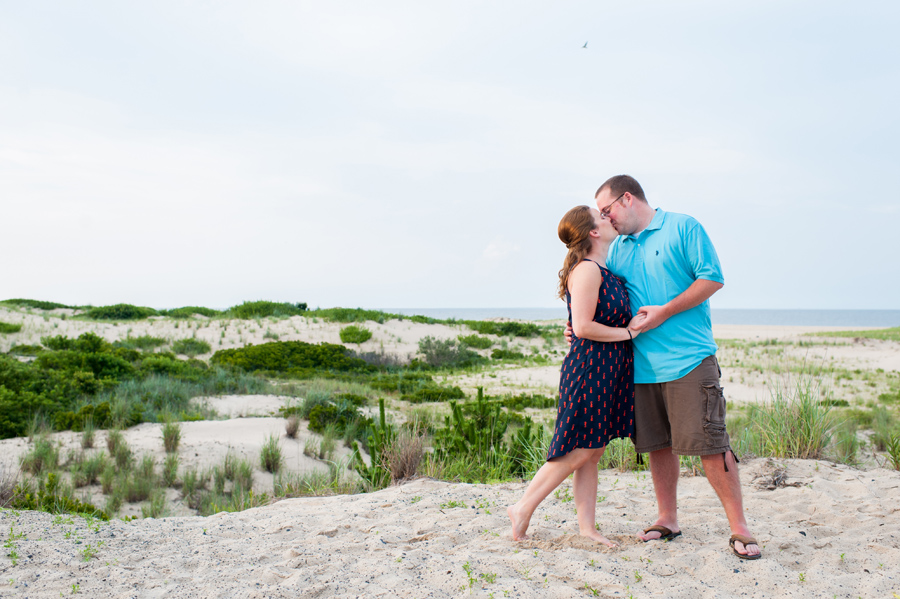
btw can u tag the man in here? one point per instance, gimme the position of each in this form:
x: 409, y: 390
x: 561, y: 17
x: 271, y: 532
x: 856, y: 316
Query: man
x: 671, y: 269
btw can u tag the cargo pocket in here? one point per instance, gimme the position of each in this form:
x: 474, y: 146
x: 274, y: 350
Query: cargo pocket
x: 714, y: 416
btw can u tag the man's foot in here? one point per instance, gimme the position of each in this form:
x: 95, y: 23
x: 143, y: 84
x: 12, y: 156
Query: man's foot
x: 744, y: 547
x: 658, y: 532
x: 596, y: 536
x: 519, y: 523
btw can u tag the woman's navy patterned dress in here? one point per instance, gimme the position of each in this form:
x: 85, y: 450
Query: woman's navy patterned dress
x: 596, y: 383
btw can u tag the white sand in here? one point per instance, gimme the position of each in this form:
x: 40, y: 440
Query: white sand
x: 833, y: 531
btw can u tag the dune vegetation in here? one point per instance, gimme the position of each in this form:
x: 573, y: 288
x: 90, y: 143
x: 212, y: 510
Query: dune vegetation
x: 427, y: 412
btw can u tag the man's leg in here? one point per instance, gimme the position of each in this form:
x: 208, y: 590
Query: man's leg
x: 728, y: 488
x: 697, y: 409
x: 665, y: 469
x: 653, y: 436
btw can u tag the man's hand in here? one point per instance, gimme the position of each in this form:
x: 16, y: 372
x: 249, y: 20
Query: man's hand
x: 653, y: 317
x: 569, y: 333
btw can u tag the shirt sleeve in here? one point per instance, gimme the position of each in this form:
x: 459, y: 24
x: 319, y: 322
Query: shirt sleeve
x: 701, y: 254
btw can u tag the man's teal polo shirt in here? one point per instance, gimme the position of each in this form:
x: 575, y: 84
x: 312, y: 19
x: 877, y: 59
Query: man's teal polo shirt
x: 658, y: 264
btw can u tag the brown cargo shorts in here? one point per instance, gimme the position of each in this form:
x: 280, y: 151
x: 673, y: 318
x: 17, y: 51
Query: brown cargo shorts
x: 687, y: 414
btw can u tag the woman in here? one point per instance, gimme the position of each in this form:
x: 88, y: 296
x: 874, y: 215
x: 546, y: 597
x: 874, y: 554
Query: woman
x: 596, y: 387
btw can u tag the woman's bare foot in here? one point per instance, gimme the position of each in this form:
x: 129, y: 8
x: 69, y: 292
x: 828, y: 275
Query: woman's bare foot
x: 519, y: 523
x: 596, y: 536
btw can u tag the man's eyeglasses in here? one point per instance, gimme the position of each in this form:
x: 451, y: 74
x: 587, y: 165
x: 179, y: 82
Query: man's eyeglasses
x: 605, y: 211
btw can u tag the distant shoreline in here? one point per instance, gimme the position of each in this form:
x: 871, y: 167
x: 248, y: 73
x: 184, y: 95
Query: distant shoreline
x: 836, y: 318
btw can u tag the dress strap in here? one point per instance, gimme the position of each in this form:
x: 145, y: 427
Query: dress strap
x: 595, y: 262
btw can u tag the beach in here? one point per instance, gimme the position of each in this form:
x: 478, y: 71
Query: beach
x: 825, y: 529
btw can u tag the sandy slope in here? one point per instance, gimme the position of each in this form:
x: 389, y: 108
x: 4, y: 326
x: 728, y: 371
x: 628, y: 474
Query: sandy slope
x: 832, y: 531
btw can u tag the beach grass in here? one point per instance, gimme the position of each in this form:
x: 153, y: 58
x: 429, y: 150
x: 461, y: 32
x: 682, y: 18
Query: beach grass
x: 270, y: 456
x: 891, y: 334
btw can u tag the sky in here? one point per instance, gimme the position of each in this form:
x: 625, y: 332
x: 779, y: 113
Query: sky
x: 421, y: 154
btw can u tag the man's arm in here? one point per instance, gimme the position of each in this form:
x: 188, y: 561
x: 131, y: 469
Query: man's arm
x: 699, y: 291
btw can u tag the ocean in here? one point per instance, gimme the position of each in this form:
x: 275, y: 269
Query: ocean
x: 836, y: 318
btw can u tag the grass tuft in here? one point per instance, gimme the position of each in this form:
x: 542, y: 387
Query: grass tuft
x: 404, y: 454
x: 171, y: 432
x: 270, y: 457
x: 792, y: 424
x: 291, y: 426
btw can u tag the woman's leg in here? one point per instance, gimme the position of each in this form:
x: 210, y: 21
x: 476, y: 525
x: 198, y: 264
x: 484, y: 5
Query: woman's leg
x: 585, y: 488
x: 547, y: 478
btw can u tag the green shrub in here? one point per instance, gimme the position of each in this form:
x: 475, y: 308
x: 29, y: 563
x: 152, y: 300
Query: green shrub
x: 441, y: 353
x: 25, y: 350
x: 432, y: 393
x: 506, y: 354
x: 292, y: 358
x: 191, y: 347
x: 352, y: 315
x: 8, y: 327
x: 90, y: 415
x: 190, y: 311
x: 144, y: 342
x: 30, y: 303
x: 120, y: 312
x: 355, y: 334
x: 404, y: 381
x: 329, y: 415
x: 525, y: 400
x: 504, y: 329
x: 476, y: 341
x: 264, y: 309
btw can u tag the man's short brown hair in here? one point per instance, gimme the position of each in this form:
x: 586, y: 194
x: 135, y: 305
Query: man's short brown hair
x: 620, y: 184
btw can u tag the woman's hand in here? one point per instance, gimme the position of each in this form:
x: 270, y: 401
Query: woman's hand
x: 635, y: 324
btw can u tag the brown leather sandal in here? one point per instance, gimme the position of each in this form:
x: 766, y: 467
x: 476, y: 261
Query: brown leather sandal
x: 746, y: 541
x: 666, y: 534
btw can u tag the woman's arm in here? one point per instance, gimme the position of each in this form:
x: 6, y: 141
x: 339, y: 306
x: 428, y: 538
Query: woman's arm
x: 584, y: 289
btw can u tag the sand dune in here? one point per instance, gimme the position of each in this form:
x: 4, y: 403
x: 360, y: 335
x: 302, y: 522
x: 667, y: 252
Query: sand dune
x: 827, y: 530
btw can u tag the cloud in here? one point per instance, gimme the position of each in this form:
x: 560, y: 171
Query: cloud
x: 497, y: 252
